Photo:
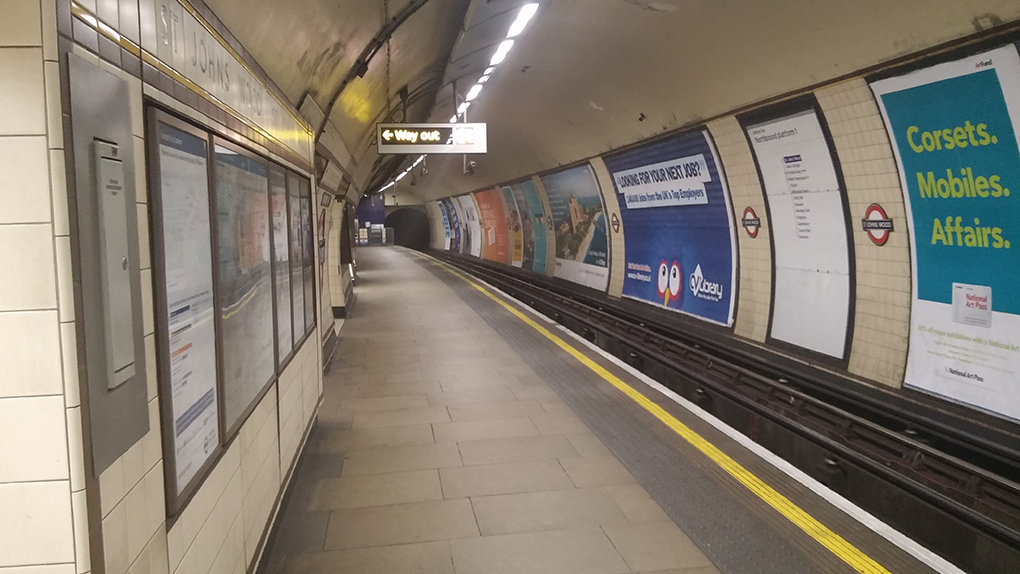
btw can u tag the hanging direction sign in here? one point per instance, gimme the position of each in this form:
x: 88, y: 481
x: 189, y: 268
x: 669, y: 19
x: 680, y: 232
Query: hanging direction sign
x: 431, y: 138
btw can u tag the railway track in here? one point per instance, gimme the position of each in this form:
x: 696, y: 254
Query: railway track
x: 943, y: 480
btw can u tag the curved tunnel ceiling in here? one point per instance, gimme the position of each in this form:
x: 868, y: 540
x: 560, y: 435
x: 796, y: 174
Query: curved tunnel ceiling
x: 586, y: 76
x: 577, y: 81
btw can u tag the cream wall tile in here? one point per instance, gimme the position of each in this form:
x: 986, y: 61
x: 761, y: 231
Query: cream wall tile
x: 45, y: 569
x: 144, y: 252
x: 148, y: 325
x: 20, y: 25
x: 151, y: 368
x: 33, y: 440
x: 141, y: 188
x: 115, y: 540
x: 79, y: 509
x: 24, y: 179
x: 54, y: 121
x: 65, y: 281
x: 36, y: 528
x: 22, y: 95
x: 58, y: 193
x: 69, y: 355
x: 111, y: 487
x: 28, y: 249
x: 28, y: 363
x: 76, y: 449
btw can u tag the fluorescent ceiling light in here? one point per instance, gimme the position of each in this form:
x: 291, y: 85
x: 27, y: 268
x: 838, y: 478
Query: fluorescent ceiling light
x: 501, y: 52
x: 522, y: 19
x: 483, y: 79
x: 385, y: 187
x: 489, y: 70
x: 400, y: 177
x: 463, y: 107
x: 473, y: 92
x: 453, y: 120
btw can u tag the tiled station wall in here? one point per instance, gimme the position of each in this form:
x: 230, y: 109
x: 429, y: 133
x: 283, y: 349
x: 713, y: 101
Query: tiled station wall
x: 883, y: 282
x: 44, y: 520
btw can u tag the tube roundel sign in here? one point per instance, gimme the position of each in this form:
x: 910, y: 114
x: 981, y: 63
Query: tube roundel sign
x: 751, y: 222
x: 877, y: 224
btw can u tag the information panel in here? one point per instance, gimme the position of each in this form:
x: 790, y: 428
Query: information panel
x: 446, y: 225
x: 582, y: 240
x: 496, y: 242
x: 678, y: 227
x: 513, y: 223
x: 811, y: 300
x: 190, y: 335
x: 245, y: 295
x: 955, y: 129
x: 471, y: 233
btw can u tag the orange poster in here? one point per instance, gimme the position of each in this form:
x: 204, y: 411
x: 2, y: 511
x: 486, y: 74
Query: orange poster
x: 495, y: 236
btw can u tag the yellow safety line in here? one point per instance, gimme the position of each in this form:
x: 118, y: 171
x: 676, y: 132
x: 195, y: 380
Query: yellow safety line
x: 833, y: 542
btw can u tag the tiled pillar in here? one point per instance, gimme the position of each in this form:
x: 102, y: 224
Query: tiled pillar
x: 42, y: 477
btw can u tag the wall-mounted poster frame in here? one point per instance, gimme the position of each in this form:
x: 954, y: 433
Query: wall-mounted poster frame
x: 171, y: 327
x: 805, y: 167
x: 179, y: 330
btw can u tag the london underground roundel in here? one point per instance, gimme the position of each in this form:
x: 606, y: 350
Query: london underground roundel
x: 877, y: 224
x: 750, y: 222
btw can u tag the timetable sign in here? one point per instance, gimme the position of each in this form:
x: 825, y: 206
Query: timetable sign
x: 431, y: 138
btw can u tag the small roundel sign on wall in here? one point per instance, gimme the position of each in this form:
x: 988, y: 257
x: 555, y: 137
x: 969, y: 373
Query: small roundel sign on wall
x: 751, y: 222
x: 877, y: 224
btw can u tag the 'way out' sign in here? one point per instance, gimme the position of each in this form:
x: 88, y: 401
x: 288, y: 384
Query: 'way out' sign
x: 431, y: 138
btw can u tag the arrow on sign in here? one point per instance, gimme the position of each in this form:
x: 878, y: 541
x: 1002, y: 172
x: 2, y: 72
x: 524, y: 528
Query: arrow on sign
x: 387, y: 135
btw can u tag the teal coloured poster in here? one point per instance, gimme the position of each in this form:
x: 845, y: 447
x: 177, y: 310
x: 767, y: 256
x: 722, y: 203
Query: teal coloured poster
x: 954, y: 132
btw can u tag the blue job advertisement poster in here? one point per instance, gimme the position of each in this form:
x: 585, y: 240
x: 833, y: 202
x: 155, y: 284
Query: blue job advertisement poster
x: 446, y: 224
x: 954, y: 126
x: 451, y: 214
x: 678, y: 227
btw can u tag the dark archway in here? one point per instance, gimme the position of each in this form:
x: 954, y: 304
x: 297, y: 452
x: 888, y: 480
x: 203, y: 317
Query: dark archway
x: 410, y: 228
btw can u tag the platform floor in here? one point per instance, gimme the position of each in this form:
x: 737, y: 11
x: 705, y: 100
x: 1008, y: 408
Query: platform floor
x: 442, y: 447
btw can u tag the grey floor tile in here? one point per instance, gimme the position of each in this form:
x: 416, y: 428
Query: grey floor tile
x: 473, y: 397
x: 581, y: 551
x: 596, y: 471
x: 493, y: 411
x: 401, y: 417
x: 299, y: 532
x: 402, y: 458
x: 425, y: 558
x: 548, y: 510
x: 369, y: 405
x: 542, y: 391
x: 481, y: 430
x: 504, y: 478
x: 354, y: 439
x: 401, y: 524
x: 559, y: 423
x: 587, y: 444
x: 655, y: 546
x: 516, y: 449
x: 397, y: 389
x: 636, y: 504
x: 375, y: 490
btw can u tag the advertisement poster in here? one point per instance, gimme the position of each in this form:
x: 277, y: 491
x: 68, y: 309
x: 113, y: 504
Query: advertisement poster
x: 811, y: 300
x: 190, y: 335
x: 471, y: 226
x: 513, y: 223
x: 541, y: 223
x: 954, y: 128
x: 451, y: 212
x: 446, y: 224
x: 494, y: 229
x: 527, y: 227
x: 579, y: 220
x: 678, y: 227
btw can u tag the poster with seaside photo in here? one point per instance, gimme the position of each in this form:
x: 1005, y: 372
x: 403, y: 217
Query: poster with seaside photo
x: 579, y: 224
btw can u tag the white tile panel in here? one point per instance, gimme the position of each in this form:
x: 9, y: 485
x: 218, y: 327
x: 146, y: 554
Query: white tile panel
x: 69, y: 355
x: 26, y: 255
x: 29, y: 360
x: 24, y: 179
x: 58, y: 193
x: 22, y: 100
x: 33, y: 440
x: 36, y: 528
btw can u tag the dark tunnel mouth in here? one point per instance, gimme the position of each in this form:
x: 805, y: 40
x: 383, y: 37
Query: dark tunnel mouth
x: 410, y: 228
